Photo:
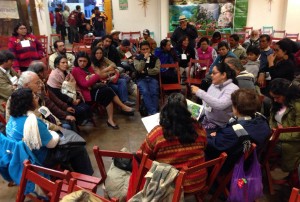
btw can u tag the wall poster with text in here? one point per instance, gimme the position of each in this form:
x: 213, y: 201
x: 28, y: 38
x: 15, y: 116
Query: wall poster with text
x: 209, y: 13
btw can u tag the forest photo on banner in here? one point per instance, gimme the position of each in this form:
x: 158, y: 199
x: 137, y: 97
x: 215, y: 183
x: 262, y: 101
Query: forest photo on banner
x: 216, y: 14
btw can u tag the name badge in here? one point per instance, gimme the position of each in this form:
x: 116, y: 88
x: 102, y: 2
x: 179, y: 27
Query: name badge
x: 128, y: 54
x: 25, y: 43
x: 183, y: 57
x: 148, y: 60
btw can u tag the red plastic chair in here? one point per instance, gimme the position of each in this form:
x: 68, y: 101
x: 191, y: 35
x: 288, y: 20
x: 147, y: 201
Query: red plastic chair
x: 169, y: 87
x: 295, y: 195
x: 145, y: 165
x: 216, y: 165
x: 270, y: 153
x: 224, y: 180
x: 52, y: 189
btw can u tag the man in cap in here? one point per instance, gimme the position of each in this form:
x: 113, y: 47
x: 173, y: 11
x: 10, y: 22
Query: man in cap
x: 147, y: 37
x: 184, y: 29
x: 115, y: 36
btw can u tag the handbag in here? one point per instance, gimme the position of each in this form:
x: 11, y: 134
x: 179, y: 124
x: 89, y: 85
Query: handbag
x: 69, y: 89
x: 246, y: 185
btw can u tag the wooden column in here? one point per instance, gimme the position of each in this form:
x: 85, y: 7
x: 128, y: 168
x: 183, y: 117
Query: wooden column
x: 108, y: 12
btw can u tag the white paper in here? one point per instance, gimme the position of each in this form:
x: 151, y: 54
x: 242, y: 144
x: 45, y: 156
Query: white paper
x: 148, y: 60
x: 183, y: 56
x: 151, y: 121
x: 14, y: 80
x: 128, y: 54
x: 25, y: 43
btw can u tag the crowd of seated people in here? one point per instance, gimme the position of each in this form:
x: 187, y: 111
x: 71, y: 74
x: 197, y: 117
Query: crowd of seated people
x: 236, y: 78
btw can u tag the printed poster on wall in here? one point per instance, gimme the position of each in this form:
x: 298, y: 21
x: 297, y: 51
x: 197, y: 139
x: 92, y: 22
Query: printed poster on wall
x: 9, y: 10
x: 205, y: 14
x: 123, y: 4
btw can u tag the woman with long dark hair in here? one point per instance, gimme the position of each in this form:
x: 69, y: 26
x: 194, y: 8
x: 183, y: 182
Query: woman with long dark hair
x: 108, y: 72
x: 178, y: 141
x: 25, y: 47
x: 93, y: 89
x: 217, y: 100
x: 285, y: 112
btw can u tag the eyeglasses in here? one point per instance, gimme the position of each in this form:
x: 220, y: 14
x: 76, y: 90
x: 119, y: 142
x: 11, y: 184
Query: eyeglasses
x: 276, y: 49
x: 143, y: 49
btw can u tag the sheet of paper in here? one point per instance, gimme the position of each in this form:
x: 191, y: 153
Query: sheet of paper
x: 151, y: 121
x: 183, y: 56
x: 194, y: 108
x: 128, y: 54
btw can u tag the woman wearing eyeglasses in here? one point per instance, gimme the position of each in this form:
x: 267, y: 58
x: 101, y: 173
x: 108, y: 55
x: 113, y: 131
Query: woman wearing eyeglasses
x: 25, y: 47
x: 217, y: 100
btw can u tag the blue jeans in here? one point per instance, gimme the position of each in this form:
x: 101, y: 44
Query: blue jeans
x: 149, y: 89
x: 120, y: 88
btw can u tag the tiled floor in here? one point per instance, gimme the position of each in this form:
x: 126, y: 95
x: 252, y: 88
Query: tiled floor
x: 130, y: 135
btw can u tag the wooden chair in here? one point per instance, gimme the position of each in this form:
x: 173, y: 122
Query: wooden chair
x: 242, y: 36
x: 270, y: 153
x: 172, y: 86
x: 74, y: 187
x: 4, y: 42
x: 125, y: 35
x: 225, y: 179
x: 44, y: 41
x: 99, y: 154
x: 87, y: 40
x: 2, y: 119
x: 192, y: 64
x: 145, y: 165
x: 267, y: 30
x: 135, y: 35
x: 293, y: 37
x: 279, y: 33
x: 30, y: 173
x: 248, y: 30
x: 295, y: 195
x: 216, y: 165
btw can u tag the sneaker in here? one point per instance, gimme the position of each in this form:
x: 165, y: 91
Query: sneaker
x: 129, y: 103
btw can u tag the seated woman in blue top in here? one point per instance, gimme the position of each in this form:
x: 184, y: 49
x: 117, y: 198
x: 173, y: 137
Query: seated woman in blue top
x: 23, y: 125
x: 167, y: 55
x: 246, y: 121
x: 216, y: 101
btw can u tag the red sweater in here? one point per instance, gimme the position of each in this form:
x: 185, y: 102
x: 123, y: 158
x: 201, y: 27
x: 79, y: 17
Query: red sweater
x: 25, y: 55
x: 85, y: 81
x: 179, y: 155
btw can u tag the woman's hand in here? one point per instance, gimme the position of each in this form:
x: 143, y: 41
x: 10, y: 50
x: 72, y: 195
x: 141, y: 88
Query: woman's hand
x: 71, y: 110
x: 76, y: 102
x: 194, y: 89
x: 261, y: 80
x: 271, y: 59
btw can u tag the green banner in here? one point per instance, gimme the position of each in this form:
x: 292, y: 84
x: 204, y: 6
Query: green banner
x: 240, y: 13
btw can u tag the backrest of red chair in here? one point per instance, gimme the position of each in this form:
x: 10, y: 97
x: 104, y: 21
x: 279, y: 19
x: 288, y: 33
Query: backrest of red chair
x: 2, y: 119
x: 145, y: 165
x: 295, y: 195
x: 99, y: 154
x: 216, y: 165
x: 43, y: 39
x: 30, y: 173
x: 202, y: 63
